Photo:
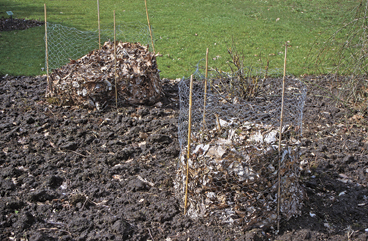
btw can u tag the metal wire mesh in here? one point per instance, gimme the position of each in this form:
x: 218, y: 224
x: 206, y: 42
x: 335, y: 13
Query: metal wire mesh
x: 234, y: 155
x: 265, y: 108
x: 65, y: 43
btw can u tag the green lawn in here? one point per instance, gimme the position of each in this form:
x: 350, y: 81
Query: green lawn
x: 184, y: 29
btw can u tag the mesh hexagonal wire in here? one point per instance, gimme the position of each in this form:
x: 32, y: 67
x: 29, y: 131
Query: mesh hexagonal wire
x: 66, y: 43
x: 234, y: 155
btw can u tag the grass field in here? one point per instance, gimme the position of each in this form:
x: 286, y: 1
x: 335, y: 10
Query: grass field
x: 184, y: 29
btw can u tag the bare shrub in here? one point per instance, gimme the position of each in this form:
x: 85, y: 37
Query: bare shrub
x: 347, y: 49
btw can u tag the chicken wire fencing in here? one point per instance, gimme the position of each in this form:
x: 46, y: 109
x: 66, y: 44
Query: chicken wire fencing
x: 66, y: 43
x: 234, y: 154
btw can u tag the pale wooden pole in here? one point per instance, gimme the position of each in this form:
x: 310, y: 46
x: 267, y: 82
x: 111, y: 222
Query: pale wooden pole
x: 205, y: 91
x: 188, y: 148
x: 116, y: 90
x: 98, y: 20
x: 280, y: 138
x: 49, y: 87
x: 149, y: 26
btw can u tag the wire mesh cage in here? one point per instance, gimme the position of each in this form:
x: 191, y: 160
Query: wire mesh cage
x: 66, y: 43
x: 233, y: 162
x: 124, y: 73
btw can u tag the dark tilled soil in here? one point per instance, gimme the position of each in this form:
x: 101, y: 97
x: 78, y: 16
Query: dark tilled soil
x: 76, y: 174
x: 8, y: 24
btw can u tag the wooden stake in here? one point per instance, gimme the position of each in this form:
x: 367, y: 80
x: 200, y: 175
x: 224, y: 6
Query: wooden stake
x: 98, y: 20
x: 149, y: 26
x: 280, y: 138
x: 49, y: 85
x: 116, y: 89
x: 205, y: 91
x: 188, y: 148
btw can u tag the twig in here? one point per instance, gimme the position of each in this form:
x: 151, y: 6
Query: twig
x: 84, y: 202
x: 41, y: 229
x: 149, y: 231
x: 51, y: 111
x: 145, y: 181
x: 79, y: 154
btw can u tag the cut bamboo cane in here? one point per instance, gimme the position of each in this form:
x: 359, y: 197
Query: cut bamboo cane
x: 205, y: 91
x: 188, y: 148
x: 280, y: 138
x: 49, y: 87
x: 116, y: 90
x: 149, y: 26
x: 98, y: 20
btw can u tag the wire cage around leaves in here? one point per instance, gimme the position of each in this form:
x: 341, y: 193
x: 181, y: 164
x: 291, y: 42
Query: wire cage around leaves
x: 234, y: 154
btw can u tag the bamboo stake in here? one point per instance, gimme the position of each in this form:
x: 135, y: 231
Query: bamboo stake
x: 116, y: 90
x: 98, y: 20
x: 205, y: 91
x: 49, y: 87
x: 188, y: 148
x: 280, y: 138
x: 149, y: 26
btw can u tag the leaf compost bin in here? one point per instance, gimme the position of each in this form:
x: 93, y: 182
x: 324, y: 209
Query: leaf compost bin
x: 90, y: 80
x: 234, y: 156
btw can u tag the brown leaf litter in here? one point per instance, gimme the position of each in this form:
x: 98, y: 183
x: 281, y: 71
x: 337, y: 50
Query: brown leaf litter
x: 90, y: 80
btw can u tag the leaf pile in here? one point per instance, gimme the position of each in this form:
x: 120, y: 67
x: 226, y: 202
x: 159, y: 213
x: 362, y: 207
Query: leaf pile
x: 90, y: 80
x: 233, y: 174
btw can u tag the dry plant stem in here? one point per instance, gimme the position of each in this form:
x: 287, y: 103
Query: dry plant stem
x: 188, y: 148
x: 149, y: 26
x: 332, y: 95
x: 268, y: 64
x: 49, y: 87
x: 98, y: 22
x: 280, y: 138
x: 149, y: 231
x: 205, y: 92
x: 116, y: 90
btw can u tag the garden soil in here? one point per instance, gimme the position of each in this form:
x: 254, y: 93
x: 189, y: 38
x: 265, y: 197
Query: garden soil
x: 76, y: 174
x: 68, y: 173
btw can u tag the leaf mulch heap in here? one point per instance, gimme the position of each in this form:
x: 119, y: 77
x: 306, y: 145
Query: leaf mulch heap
x: 90, y: 80
x: 233, y: 174
x: 8, y: 24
